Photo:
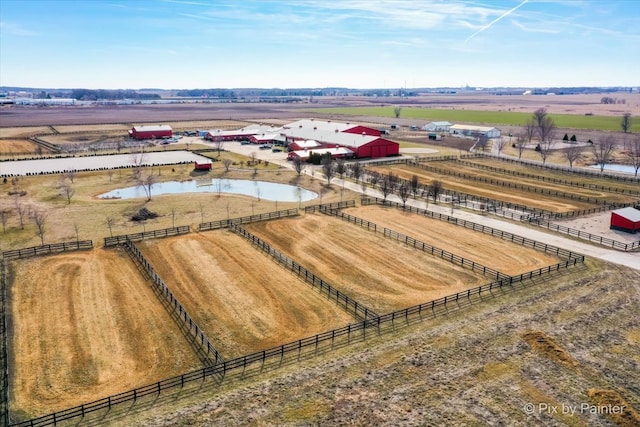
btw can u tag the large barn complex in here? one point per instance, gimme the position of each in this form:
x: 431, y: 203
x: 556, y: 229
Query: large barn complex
x: 626, y: 219
x: 151, y: 132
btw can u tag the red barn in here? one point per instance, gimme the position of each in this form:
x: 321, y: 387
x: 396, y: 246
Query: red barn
x: 204, y: 165
x: 151, y: 132
x: 626, y: 219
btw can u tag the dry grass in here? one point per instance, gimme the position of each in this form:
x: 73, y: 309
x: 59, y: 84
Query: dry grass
x: 382, y: 274
x: 605, y: 402
x: 87, y: 325
x: 9, y: 147
x: 504, y: 256
x: 110, y: 128
x: 23, y: 131
x: 243, y: 301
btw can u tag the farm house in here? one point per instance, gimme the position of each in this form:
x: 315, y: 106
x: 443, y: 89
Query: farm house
x: 474, y: 131
x: 625, y: 219
x: 151, y: 132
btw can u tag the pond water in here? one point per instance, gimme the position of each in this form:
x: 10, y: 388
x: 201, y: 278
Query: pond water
x: 617, y: 168
x: 258, y: 189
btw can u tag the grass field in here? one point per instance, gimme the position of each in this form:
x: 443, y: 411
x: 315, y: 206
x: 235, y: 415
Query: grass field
x: 87, y: 325
x: 569, y: 121
x: 382, y: 274
x: 243, y: 301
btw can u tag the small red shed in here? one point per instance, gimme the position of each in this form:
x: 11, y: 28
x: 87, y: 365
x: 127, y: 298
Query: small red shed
x: 626, y: 219
x: 204, y: 165
x: 151, y: 132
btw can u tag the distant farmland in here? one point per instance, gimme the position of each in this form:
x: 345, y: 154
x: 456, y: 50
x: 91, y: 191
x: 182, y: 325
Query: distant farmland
x: 572, y: 121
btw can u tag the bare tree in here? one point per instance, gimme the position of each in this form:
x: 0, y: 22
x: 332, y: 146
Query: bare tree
x: 394, y: 181
x: 173, y: 218
x: 632, y: 150
x: 147, y: 184
x: 521, y: 139
x: 397, y: 111
x: 138, y: 157
x: 374, y: 178
x: 71, y: 174
x: 625, y: 124
x: 21, y: 210
x: 602, y: 150
x: 299, y: 165
x: 499, y: 143
x: 546, y: 129
x: 110, y: 221
x: 341, y: 167
x: 530, y: 130
x: 356, y: 171
x: 435, y: 189
x: 403, y: 190
x: 218, y: 142
x: 4, y: 218
x: 385, y: 186
x: 253, y: 156
x: 40, y: 219
x: 226, y: 163
x: 328, y: 168
x: 482, y: 142
x: 110, y: 173
x: 573, y: 153
x: 67, y: 191
x: 76, y: 229
x: 415, y: 185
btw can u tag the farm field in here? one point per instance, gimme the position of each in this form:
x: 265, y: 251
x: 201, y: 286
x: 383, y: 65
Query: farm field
x: 243, y: 300
x: 499, y: 254
x: 569, y: 121
x: 382, y: 274
x: 510, y: 195
x: 10, y: 146
x: 87, y: 325
x: 23, y: 131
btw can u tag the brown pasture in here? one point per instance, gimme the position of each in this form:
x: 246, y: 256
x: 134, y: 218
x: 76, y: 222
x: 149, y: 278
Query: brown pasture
x: 511, y: 195
x: 499, y: 254
x: 17, y: 146
x: 87, y: 325
x: 243, y: 300
x: 380, y: 273
x: 23, y: 132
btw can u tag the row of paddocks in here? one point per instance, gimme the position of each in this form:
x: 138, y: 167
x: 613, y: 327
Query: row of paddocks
x: 477, y: 227
x: 332, y: 293
x: 604, y: 241
x: 297, y: 349
x: 48, y: 249
x: 185, y: 321
x: 136, y: 237
x: 564, y: 169
x: 509, y: 184
x: 225, y: 223
x: 416, y: 244
x: 548, y: 179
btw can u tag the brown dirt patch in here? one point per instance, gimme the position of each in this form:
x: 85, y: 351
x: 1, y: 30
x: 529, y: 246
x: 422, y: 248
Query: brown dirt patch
x: 614, y: 407
x: 86, y: 325
x: 243, y: 300
x: 380, y: 273
x: 504, y: 256
x: 544, y: 345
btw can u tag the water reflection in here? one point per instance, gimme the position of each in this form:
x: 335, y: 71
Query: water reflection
x: 258, y: 189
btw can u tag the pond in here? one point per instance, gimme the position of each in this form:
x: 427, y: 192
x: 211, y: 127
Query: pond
x: 258, y: 189
x: 616, y: 168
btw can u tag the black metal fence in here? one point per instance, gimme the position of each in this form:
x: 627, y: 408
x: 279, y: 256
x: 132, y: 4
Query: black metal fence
x: 604, y: 241
x: 344, y: 301
x: 48, y: 249
x: 337, y: 205
x: 185, y: 321
x: 478, y: 227
x: 152, y: 234
x: 224, y: 223
x: 4, y: 358
x: 548, y: 179
x: 417, y: 244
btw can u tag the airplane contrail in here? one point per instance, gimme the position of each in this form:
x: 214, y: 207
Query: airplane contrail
x: 507, y: 13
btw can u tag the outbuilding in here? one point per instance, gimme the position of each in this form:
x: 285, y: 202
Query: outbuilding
x: 437, y: 127
x: 625, y: 219
x: 203, y: 165
x: 474, y: 131
x: 151, y: 132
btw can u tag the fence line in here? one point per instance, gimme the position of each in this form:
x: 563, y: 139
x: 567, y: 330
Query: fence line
x: 332, y: 293
x: 563, y: 168
x: 4, y: 363
x: 548, y: 179
x: 225, y: 223
x: 417, y: 244
x: 187, y: 322
x: 152, y: 234
x: 336, y: 205
x: 477, y: 227
x: 294, y: 349
x: 604, y: 241
x: 75, y: 245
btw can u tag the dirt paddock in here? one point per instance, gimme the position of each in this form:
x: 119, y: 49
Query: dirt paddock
x: 243, y: 300
x: 86, y: 325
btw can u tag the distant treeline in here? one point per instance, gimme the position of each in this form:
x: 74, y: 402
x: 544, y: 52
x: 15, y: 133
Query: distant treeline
x: 306, y: 92
x: 102, y: 94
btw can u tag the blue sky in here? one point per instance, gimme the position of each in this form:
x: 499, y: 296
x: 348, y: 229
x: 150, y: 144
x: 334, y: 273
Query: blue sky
x: 177, y: 44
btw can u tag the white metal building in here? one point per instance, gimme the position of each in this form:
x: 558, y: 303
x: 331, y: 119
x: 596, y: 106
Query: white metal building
x: 474, y: 131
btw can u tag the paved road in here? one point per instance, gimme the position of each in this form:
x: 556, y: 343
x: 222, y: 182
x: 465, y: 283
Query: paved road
x: 623, y: 258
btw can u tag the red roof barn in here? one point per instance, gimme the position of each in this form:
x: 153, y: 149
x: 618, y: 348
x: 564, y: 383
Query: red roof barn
x: 626, y: 219
x: 151, y: 132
